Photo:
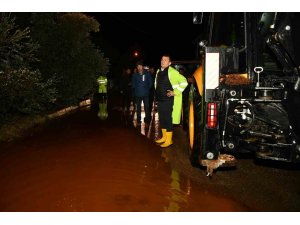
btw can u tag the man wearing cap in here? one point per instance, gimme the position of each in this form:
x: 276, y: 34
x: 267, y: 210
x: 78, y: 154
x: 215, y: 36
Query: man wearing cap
x: 141, y: 83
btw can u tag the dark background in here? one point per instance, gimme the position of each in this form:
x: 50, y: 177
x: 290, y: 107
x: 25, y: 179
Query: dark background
x: 151, y: 34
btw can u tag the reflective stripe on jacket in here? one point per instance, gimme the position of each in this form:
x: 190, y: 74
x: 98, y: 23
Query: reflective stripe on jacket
x: 178, y: 83
x: 102, y: 81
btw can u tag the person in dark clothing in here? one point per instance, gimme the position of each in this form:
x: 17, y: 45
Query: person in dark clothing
x: 152, y: 90
x: 126, y: 89
x: 169, y: 85
x: 141, y: 83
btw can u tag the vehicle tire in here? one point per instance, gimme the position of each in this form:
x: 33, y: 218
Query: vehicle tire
x: 185, y: 109
x: 195, y: 125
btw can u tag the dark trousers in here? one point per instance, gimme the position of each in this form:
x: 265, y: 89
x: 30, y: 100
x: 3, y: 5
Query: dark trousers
x: 165, y: 109
x: 139, y: 100
x: 126, y: 99
x: 151, y: 99
x: 102, y: 97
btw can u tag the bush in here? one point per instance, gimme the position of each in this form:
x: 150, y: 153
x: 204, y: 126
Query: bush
x: 22, y: 90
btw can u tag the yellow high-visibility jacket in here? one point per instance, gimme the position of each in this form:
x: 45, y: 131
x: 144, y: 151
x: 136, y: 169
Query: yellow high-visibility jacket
x: 102, y: 81
x: 178, y: 83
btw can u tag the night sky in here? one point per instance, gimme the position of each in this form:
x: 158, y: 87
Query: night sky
x: 152, y: 34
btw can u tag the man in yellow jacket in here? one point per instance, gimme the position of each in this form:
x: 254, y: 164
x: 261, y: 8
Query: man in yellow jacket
x: 169, y: 85
x: 102, y: 90
x: 102, y: 81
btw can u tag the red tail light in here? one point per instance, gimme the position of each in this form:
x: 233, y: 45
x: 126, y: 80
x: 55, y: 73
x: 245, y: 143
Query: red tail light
x: 212, y: 115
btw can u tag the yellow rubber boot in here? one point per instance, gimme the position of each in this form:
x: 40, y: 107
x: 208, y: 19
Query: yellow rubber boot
x: 164, y: 137
x: 168, y: 141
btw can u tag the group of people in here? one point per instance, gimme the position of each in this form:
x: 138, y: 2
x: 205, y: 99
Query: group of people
x: 137, y: 87
x: 166, y: 86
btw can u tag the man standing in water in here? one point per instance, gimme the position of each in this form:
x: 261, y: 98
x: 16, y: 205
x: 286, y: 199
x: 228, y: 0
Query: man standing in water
x: 169, y: 85
x: 141, y: 83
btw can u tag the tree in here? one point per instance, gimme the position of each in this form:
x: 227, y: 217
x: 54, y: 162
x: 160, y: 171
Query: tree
x: 67, y: 52
x: 16, y: 47
x: 22, y: 90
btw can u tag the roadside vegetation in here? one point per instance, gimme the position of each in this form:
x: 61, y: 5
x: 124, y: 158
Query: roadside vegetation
x: 47, y: 62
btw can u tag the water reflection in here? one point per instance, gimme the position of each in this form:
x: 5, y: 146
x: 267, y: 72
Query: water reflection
x: 81, y: 163
x: 102, y: 111
x: 151, y: 130
x: 178, y: 198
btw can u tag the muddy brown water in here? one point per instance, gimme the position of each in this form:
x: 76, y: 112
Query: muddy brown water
x: 82, y: 163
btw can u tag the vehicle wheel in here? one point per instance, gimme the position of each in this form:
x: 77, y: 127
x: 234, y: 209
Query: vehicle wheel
x: 195, y: 124
x: 185, y: 109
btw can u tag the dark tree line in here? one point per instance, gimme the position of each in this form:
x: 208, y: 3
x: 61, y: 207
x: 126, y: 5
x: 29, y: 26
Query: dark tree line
x: 49, y: 64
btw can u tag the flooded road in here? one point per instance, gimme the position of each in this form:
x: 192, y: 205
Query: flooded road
x: 82, y: 163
